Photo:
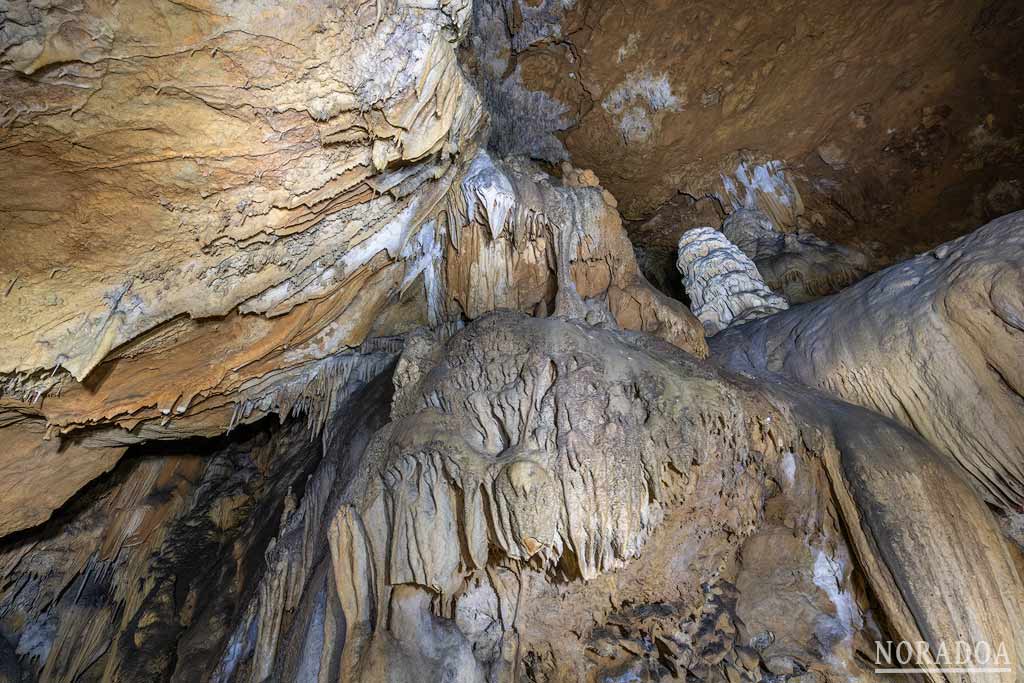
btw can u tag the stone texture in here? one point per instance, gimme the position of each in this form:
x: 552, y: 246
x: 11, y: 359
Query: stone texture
x: 207, y: 204
x: 144, y: 576
x: 724, y: 285
x: 549, y: 501
x: 39, y: 473
x: 485, y: 478
x: 234, y: 171
x: 895, y: 124
x: 259, y: 419
x: 798, y: 266
x: 525, y: 242
x: 936, y: 343
x: 232, y: 215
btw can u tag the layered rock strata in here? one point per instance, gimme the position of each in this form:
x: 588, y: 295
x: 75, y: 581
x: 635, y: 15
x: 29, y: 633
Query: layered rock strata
x: 230, y: 196
x: 260, y: 422
x: 253, y: 204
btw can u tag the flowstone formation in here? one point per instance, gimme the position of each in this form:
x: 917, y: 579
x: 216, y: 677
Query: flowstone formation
x: 145, y: 575
x: 548, y: 501
x: 209, y: 208
x: 252, y: 218
x: 724, y: 285
x: 525, y: 478
x: 936, y: 343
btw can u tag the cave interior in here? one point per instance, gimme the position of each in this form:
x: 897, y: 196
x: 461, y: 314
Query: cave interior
x: 512, y: 341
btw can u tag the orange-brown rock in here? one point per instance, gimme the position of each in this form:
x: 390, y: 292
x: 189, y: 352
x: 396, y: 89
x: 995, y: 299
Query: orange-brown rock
x: 38, y: 473
x: 221, y: 218
x: 325, y: 356
x: 895, y: 123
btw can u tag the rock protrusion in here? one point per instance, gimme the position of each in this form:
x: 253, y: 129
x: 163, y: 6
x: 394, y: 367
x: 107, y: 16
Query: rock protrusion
x: 798, y: 266
x: 936, y: 342
x: 724, y: 285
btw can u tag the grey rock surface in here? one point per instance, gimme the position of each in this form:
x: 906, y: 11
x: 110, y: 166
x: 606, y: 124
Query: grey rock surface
x: 724, y: 285
x: 798, y: 266
x: 936, y: 342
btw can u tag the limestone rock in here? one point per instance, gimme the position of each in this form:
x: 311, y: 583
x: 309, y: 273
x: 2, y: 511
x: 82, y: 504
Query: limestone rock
x: 510, y: 432
x: 35, y: 475
x: 224, y: 179
x: 798, y: 266
x: 550, y: 500
x: 823, y: 115
x: 208, y: 209
x: 147, y: 574
x: 322, y: 361
x: 724, y: 285
x: 524, y: 242
x: 936, y: 343
x: 249, y: 209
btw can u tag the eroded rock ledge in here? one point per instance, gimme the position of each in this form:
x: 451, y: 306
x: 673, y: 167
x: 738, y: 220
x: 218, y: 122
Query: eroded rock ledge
x: 253, y: 205
x: 260, y: 419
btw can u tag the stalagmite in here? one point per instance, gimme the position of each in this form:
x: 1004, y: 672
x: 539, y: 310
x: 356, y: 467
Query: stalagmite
x: 723, y: 284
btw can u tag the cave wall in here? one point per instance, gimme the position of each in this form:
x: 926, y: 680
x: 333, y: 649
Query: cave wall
x: 213, y: 214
